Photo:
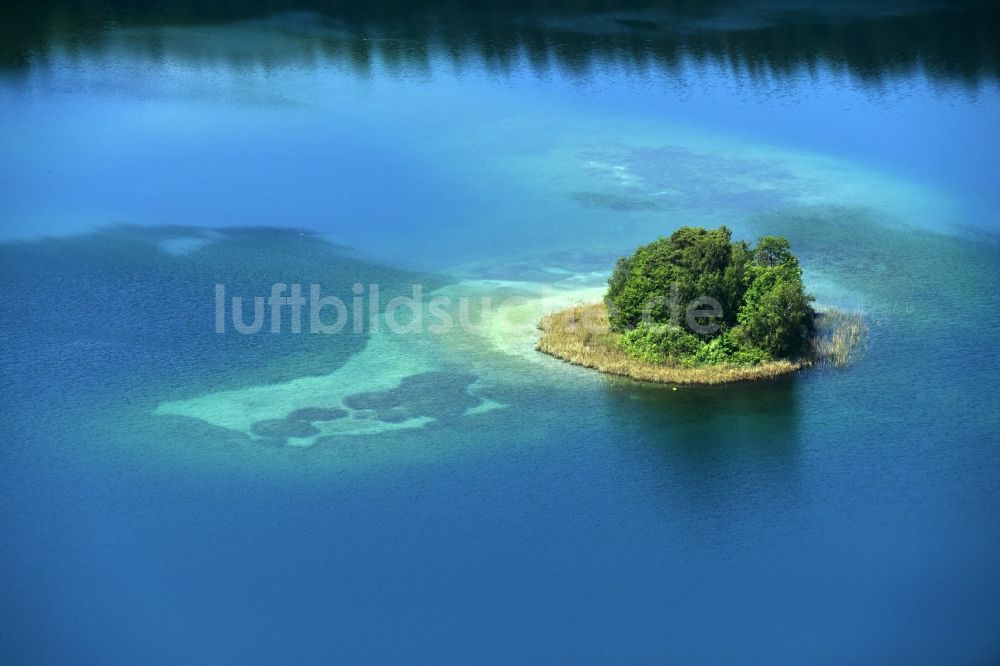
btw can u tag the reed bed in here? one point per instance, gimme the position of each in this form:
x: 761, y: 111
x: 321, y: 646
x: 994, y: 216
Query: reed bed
x: 840, y: 336
x: 581, y: 335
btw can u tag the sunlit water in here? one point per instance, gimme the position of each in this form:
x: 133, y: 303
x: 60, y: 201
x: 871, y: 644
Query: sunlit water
x: 459, y: 496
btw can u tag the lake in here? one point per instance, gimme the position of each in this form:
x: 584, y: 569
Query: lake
x: 175, y: 490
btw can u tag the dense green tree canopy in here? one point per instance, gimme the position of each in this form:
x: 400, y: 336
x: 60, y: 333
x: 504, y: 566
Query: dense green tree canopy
x: 759, y: 308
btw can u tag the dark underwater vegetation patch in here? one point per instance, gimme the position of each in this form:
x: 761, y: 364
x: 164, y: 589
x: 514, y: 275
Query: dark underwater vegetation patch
x: 318, y: 414
x: 283, y: 428
x: 617, y: 202
x: 297, y: 424
x: 440, y: 394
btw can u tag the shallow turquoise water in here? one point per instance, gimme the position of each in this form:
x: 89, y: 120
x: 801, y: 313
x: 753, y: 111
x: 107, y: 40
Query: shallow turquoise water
x: 480, y: 501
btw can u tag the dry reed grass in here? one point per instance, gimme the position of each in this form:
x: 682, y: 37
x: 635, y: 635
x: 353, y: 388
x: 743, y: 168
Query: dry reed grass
x: 840, y: 336
x: 581, y: 335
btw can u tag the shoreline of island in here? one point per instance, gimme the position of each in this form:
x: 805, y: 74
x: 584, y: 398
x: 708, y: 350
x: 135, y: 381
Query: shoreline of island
x: 581, y: 335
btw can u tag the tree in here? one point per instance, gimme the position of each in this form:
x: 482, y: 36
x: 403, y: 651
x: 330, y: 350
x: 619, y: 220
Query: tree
x: 765, y: 310
x: 777, y: 315
x: 658, y: 281
x: 773, y: 251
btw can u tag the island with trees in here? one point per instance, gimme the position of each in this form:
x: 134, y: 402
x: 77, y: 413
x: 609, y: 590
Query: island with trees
x: 700, y: 308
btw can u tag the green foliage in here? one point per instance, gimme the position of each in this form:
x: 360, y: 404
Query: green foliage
x: 773, y: 251
x: 777, y: 314
x: 619, y: 277
x: 728, y: 348
x: 661, y: 278
x: 766, y: 313
x: 660, y: 343
x: 656, y: 343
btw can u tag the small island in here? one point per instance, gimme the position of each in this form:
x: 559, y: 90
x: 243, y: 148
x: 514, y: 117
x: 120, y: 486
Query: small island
x: 700, y: 308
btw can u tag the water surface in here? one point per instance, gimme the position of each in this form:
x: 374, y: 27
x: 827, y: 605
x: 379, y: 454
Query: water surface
x: 462, y: 497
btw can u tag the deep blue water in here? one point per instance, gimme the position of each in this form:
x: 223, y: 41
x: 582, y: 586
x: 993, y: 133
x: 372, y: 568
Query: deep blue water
x: 483, y: 502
